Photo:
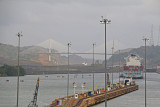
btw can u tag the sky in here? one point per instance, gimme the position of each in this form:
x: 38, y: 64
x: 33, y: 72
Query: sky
x: 78, y: 22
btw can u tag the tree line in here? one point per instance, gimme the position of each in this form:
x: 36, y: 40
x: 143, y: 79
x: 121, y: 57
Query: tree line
x: 7, y: 70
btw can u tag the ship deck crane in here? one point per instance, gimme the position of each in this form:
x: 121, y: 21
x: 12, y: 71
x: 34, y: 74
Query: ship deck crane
x: 33, y: 103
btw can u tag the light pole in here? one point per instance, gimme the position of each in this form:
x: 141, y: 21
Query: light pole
x: 19, y: 36
x: 119, y: 66
x: 69, y: 44
x: 105, y: 21
x: 145, y: 40
x: 112, y: 60
x: 93, y: 65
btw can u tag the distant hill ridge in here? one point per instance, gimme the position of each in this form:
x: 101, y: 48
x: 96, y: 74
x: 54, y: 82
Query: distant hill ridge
x: 152, y: 55
x: 35, y: 55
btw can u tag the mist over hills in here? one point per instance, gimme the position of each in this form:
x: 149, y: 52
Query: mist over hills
x: 34, y: 55
x: 53, y: 44
x: 62, y: 48
x: 37, y: 55
x: 110, y: 44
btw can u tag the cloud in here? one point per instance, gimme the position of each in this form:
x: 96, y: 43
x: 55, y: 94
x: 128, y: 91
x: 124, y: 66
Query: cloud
x: 77, y: 21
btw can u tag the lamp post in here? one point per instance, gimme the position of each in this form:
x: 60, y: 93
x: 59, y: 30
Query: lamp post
x: 105, y: 21
x: 119, y: 66
x: 145, y: 40
x: 112, y: 60
x: 19, y: 36
x: 69, y: 44
x: 93, y: 65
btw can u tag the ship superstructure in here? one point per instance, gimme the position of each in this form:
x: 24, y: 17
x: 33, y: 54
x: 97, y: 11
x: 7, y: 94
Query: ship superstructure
x: 133, y: 67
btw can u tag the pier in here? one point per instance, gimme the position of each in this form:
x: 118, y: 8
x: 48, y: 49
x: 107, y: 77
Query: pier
x: 91, y: 98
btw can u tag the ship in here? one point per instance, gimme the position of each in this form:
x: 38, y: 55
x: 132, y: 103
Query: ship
x: 158, y: 69
x: 133, y: 67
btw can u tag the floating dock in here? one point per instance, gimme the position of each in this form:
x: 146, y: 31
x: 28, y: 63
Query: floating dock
x: 91, y: 98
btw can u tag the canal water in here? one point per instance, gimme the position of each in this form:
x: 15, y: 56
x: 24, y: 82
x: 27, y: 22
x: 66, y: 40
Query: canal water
x: 55, y: 86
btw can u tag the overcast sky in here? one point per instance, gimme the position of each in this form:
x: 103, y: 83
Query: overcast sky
x: 78, y: 21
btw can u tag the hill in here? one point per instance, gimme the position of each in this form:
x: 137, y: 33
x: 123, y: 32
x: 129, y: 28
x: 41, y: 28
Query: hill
x: 34, y: 55
x: 37, y: 56
x: 152, y: 55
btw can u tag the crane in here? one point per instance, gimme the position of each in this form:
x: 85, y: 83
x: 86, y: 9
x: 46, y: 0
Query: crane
x: 34, y: 101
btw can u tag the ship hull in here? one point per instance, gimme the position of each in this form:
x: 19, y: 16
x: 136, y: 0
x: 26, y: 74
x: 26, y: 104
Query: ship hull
x: 121, y: 76
x: 132, y: 74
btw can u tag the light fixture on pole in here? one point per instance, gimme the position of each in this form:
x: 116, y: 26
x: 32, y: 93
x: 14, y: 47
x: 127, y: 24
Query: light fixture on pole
x: 19, y: 36
x: 69, y: 44
x: 145, y: 40
x: 105, y: 21
x: 93, y: 64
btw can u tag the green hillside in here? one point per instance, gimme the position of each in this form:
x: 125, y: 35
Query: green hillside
x: 8, y: 51
x: 34, y: 55
x: 29, y: 55
x: 152, y: 55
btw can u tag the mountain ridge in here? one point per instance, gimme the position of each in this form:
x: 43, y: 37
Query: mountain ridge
x: 35, y: 55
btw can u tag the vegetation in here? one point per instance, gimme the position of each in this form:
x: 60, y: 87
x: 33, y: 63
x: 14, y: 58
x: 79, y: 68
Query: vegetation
x: 152, y: 52
x: 8, y: 51
x: 33, y: 55
x: 7, y: 70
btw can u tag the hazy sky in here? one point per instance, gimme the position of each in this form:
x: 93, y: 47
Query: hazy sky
x: 78, y: 21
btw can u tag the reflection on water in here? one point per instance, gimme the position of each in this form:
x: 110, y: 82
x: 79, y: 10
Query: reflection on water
x: 54, y: 86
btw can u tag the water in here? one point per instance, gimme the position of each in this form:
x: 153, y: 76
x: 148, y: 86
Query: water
x: 55, y: 86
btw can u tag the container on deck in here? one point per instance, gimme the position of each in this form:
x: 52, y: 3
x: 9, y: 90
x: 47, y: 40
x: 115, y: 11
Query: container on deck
x: 89, y: 93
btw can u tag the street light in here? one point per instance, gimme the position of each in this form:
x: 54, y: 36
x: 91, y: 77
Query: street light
x: 112, y: 60
x: 69, y: 44
x: 19, y: 35
x: 145, y: 40
x: 93, y: 65
x: 105, y: 21
x: 119, y: 66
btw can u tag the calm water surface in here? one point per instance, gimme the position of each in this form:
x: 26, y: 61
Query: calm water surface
x: 54, y: 86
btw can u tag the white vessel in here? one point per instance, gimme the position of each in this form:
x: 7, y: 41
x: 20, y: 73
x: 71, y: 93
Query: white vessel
x: 133, y: 67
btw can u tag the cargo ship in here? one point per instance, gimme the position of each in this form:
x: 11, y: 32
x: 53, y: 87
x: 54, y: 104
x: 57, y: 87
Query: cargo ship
x: 133, y: 67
